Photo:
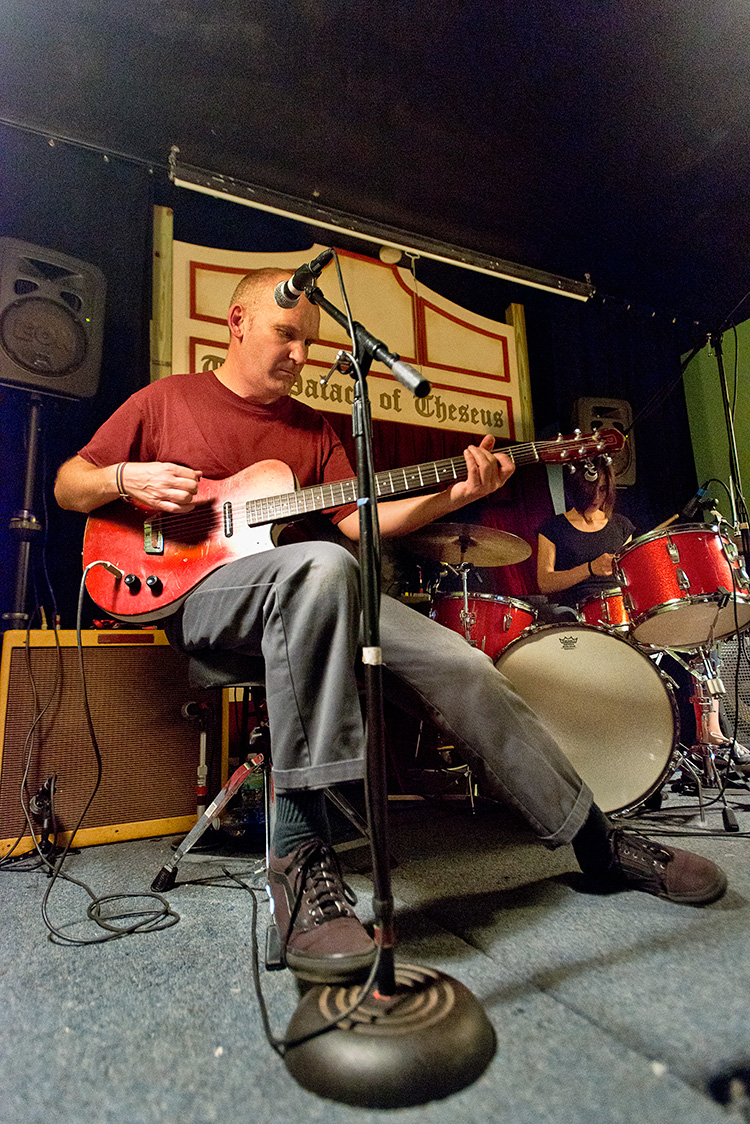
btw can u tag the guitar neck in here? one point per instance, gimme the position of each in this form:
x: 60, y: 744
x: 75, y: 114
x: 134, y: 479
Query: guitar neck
x: 393, y: 482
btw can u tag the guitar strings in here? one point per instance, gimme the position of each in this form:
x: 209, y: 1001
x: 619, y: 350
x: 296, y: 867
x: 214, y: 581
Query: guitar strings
x: 526, y: 452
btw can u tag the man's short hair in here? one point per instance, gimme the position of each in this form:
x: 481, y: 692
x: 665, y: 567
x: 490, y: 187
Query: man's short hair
x: 252, y: 286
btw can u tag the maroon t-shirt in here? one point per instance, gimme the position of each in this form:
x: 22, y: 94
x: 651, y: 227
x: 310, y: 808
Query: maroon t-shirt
x: 196, y: 421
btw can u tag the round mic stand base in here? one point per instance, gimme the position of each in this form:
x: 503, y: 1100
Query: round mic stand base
x: 427, y: 1040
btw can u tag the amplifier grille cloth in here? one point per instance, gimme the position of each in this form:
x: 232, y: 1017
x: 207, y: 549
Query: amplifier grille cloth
x: 730, y: 651
x: 149, y: 751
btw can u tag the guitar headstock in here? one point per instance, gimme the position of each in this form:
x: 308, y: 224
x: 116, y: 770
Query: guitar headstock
x: 581, y: 445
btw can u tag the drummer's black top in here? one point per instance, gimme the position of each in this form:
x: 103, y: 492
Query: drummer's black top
x: 574, y: 547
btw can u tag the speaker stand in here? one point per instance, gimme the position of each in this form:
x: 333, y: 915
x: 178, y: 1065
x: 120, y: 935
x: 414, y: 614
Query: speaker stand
x: 24, y: 524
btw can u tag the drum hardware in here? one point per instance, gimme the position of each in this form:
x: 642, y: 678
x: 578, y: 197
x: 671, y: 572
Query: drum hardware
x: 451, y: 769
x: 701, y: 759
x: 467, y: 618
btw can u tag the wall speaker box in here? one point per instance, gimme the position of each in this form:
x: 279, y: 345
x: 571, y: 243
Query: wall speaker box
x: 137, y: 686
x: 609, y: 413
x: 51, y: 320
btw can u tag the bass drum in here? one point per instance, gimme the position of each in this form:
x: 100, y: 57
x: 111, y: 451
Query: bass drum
x: 610, y: 709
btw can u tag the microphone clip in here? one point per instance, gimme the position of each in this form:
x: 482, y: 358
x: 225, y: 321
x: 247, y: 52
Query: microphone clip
x: 344, y: 362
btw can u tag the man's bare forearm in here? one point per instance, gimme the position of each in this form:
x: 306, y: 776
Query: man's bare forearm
x: 81, y: 486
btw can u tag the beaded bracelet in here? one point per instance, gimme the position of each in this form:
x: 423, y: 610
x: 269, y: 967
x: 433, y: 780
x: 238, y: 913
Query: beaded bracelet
x: 119, y: 484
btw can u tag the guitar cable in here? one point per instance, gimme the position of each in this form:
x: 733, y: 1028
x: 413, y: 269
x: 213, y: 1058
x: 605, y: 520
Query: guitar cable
x: 145, y: 919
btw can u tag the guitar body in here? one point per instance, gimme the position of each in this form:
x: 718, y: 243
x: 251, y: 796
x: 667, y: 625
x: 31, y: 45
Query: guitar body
x: 179, y: 551
x: 162, y: 557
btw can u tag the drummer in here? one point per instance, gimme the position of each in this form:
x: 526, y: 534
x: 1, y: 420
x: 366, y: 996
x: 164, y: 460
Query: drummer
x: 576, y: 549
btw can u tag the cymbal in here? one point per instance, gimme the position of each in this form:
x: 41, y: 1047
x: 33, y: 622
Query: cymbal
x: 454, y: 543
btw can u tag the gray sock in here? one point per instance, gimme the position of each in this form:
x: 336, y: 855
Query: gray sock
x: 591, y: 844
x: 299, y: 816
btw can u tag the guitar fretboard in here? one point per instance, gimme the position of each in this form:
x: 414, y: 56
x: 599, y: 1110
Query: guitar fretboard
x: 397, y: 481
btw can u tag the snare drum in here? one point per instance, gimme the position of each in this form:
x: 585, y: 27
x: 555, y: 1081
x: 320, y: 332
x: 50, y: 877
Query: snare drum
x: 608, y: 706
x: 605, y: 609
x: 680, y: 586
x: 493, y: 622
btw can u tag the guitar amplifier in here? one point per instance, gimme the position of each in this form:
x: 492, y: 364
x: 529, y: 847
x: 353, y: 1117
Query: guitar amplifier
x: 137, y: 686
x: 734, y: 670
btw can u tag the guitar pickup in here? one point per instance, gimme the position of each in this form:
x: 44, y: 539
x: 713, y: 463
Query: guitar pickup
x: 153, y: 540
x: 228, y: 520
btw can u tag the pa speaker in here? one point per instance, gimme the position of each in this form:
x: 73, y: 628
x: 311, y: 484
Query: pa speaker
x: 137, y: 686
x: 610, y: 413
x: 51, y: 320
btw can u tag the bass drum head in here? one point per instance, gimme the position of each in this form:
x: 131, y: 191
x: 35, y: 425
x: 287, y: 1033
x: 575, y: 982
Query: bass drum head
x: 610, y: 709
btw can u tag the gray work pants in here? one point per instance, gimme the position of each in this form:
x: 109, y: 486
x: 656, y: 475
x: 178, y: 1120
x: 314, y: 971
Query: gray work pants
x: 298, y: 606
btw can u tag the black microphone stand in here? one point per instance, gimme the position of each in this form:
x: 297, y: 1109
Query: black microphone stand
x: 417, y: 1034
x: 739, y: 513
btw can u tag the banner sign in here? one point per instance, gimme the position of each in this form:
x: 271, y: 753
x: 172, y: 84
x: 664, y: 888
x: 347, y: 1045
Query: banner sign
x: 469, y: 360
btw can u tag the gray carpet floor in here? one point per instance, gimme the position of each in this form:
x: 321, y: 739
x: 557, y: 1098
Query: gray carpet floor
x: 607, y: 1009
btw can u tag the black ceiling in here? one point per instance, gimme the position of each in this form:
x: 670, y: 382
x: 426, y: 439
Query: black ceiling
x: 608, y: 137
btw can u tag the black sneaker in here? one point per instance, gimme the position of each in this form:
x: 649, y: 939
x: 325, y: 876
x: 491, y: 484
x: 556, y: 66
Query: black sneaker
x: 667, y: 872
x: 321, y: 938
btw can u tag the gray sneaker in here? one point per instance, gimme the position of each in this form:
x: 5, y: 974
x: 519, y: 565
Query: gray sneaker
x: 321, y: 938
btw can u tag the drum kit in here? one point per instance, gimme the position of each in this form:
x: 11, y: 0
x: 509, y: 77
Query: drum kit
x: 596, y: 682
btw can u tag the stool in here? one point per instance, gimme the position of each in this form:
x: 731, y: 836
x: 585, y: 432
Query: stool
x: 223, y: 669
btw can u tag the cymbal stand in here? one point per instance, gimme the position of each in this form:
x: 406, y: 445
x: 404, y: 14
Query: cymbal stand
x: 467, y: 618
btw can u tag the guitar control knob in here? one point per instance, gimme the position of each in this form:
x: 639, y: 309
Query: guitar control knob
x: 154, y: 584
x: 133, y: 582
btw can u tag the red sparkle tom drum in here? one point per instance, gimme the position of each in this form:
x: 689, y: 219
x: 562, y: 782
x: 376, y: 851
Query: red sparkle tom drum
x: 681, y: 587
x: 492, y: 621
x: 605, y: 609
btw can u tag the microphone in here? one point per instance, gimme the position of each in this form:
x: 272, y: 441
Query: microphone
x: 287, y: 293
x: 698, y: 500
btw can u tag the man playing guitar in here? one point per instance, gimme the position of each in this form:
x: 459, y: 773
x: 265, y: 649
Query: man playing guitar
x: 297, y: 606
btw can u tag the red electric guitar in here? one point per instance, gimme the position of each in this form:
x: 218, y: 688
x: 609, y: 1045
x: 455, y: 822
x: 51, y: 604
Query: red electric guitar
x: 155, y: 558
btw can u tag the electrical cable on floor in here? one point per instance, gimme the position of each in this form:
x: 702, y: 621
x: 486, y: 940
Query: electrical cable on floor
x: 282, y: 1045
x: 9, y: 862
x: 160, y: 915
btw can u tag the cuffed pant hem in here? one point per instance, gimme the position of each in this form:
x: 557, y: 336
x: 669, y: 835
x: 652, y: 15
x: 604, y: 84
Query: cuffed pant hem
x: 318, y: 776
x: 573, y: 823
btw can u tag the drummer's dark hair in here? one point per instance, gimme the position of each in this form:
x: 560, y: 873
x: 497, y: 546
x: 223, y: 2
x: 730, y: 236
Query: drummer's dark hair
x: 580, y: 492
